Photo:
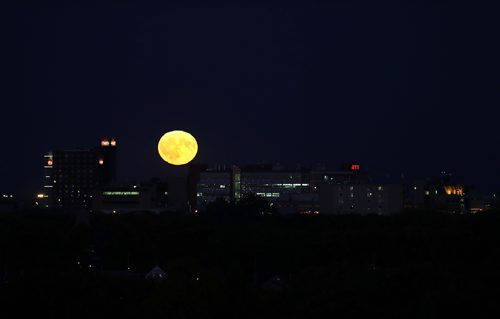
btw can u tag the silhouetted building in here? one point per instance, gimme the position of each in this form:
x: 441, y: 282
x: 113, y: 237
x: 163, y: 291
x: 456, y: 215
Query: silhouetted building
x: 439, y: 194
x: 72, y: 175
x: 361, y: 199
x: 131, y: 198
x: 290, y: 190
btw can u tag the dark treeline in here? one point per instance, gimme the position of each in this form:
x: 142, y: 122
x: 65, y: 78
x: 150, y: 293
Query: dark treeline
x: 414, y: 265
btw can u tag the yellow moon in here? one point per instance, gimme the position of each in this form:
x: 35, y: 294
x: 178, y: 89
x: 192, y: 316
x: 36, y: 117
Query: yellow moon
x: 177, y: 147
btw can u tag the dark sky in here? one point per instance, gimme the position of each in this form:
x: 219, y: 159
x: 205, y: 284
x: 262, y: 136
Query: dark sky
x: 399, y: 86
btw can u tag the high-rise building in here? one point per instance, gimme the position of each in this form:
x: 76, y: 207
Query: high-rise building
x: 72, y: 175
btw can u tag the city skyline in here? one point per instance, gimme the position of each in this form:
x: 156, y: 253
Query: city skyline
x: 399, y: 88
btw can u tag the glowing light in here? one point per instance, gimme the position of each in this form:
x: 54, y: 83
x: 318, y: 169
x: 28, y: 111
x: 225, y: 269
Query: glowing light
x: 177, y: 147
x: 40, y: 195
x: 101, y: 162
x: 454, y: 190
x: 104, y: 143
x: 113, y: 142
x: 121, y: 193
x: 50, y: 162
x: 355, y: 167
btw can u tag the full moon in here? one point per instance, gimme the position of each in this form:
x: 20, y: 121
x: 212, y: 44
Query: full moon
x: 177, y: 147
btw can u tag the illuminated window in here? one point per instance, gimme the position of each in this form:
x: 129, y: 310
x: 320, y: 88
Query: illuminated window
x: 124, y: 193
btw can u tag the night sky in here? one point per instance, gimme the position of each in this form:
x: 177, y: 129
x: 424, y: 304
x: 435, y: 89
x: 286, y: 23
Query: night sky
x: 399, y: 86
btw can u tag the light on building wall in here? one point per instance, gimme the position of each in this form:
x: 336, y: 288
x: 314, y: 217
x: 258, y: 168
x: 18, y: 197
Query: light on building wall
x: 355, y: 167
x: 104, y: 142
x: 113, y: 142
x: 454, y: 190
x: 40, y: 195
x: 101, y: 161
x: 50, y: 162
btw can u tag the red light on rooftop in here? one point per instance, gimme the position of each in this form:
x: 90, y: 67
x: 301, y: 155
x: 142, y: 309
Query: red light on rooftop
x: 355, y: 167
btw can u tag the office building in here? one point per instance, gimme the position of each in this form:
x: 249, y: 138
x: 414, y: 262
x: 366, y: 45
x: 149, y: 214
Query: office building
x: 72, y: 175
x: 361, y: 199
x: 289, y: 190
x: 120, y: 198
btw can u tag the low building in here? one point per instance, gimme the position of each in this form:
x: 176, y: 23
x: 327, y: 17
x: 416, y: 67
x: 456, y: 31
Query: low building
x: 440, y: 194
x: 289, y: 190
x: 361, y: 199
x: 130, y: 198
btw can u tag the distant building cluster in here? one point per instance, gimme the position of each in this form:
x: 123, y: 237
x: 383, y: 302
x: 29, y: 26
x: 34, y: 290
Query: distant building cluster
x: 298, y: 191
x: 442, y: 194
x: 86, y: 179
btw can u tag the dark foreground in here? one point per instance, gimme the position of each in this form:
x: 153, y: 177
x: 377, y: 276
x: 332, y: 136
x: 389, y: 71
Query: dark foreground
x: 411, y: 266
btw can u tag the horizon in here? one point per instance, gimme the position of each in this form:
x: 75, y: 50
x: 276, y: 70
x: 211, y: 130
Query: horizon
x: 398, y: 87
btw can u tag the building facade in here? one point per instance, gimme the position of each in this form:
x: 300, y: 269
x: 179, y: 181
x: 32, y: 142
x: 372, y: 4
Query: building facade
x: 72, y: 175
x: 440, y: 194
x: 123, y: 198
x: 361, y: 199
x: 289, y: 190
